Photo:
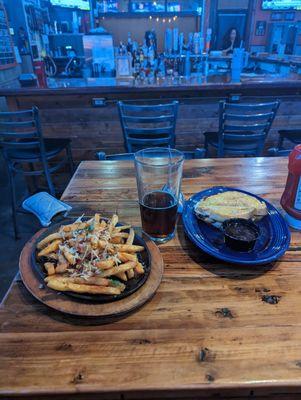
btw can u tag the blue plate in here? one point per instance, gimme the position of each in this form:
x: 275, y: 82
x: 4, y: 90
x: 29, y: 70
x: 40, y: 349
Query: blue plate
x: 273, y: 242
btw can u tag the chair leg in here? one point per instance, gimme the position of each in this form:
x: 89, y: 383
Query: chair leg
x: 13, y: 202
x: 206, y: 146
x: 33, y: 178
x: 48, y: 178
x: 280, y: 143
x: 70, y: 158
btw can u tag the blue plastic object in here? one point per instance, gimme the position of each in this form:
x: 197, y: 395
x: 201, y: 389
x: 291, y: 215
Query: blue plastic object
x: 45, y: 207
x: 273, y: 242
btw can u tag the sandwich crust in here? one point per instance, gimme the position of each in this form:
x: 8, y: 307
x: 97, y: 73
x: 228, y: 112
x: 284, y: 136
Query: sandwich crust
x: 217, y: 208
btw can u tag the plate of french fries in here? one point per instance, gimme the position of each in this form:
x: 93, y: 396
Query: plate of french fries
x: 94, y: 259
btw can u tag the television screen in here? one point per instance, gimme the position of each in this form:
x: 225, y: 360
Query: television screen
x: 80, y: 4
x: 281, y: 5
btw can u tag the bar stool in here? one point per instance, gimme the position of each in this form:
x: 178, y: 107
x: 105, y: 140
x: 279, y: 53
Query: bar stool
x: 148, y: 125
x: 22, y: 142
x: 291, y: 135
x: 243, y: 128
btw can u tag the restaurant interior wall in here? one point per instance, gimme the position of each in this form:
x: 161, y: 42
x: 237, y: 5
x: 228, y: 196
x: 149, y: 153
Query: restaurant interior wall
x: 120, y: 27
x: 259, y: 43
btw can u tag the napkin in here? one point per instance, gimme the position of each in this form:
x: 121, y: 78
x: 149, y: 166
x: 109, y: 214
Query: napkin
x: 45, y: 207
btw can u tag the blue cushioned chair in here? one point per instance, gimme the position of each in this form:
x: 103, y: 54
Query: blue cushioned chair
x: 22, y: 142
x: 148, y: 125
x: 243, y: 128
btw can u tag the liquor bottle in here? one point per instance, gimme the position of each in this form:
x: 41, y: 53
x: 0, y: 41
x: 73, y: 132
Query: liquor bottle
x: 144, y: 49
x: 129, y: 46
x: 161, y: 67
x: 187, y: 64
x: 168, y: 41
x: 175, y: 40
x: 181, y: 42
x: 190, y: 42
x: 151, y: 54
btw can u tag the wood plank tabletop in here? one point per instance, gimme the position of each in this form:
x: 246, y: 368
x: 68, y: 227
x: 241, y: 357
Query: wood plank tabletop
x: 207, y: 331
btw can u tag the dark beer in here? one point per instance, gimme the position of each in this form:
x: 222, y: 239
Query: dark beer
x: 158, y: 214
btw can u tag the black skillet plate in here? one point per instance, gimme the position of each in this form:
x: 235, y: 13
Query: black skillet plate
x: 131, y: 286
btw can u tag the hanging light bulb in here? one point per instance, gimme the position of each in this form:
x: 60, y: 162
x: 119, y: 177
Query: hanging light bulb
x: 169, y: 20
x: 157, y: 19
x: 150, y: 17
x: 164, y: 20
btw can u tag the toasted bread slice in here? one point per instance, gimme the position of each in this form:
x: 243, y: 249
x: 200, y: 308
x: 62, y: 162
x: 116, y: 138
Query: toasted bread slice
x: 230, y: 204
x: 240, y: 199
x: 221, y: 213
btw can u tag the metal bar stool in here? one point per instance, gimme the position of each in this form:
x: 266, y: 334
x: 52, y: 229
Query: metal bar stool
x: 291, y: 135
x: 243, y: 128
x: 21, y: 142
x: 148, y: 125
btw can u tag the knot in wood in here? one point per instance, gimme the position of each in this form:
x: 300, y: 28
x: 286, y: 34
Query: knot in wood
x: 224, y: 312
x: 271, y: 299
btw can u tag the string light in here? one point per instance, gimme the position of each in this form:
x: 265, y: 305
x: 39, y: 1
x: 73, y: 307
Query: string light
x: 169, y: 20
x: 150, y: 17
x: 164, y: 20
x: 175, y: 17
x: 157, y: 19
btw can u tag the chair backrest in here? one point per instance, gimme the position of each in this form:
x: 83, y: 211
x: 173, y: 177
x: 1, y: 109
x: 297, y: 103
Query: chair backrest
x: 189, y: 155
x: 21, y: 130
x: 148, y: 125
x: 243, y: 127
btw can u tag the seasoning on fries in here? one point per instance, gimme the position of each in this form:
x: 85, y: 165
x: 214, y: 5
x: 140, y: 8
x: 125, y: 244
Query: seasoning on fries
x: 91, y: 257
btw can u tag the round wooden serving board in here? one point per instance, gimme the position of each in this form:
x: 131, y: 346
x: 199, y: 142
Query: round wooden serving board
x: 104, y: 312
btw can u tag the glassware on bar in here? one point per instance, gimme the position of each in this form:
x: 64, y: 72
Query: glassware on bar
x: 159, y: 175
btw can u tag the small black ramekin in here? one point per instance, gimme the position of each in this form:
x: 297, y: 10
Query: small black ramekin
x: 237, y: 242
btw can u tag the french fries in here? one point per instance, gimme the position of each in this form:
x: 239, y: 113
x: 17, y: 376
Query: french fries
x: 48, y: 239
x: 51, y: 248
x: 64, y: 286
x: 49, y: 268
x: 94, y: 257
x: 127, y: 248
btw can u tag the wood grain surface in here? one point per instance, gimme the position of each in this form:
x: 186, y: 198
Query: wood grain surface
x: 207, y: 331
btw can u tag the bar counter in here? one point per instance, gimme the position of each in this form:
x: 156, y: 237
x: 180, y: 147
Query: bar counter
x: 68, y: 106
x: 170, y: 86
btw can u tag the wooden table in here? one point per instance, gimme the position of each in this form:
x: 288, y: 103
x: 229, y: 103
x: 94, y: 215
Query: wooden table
x: 207, y: 331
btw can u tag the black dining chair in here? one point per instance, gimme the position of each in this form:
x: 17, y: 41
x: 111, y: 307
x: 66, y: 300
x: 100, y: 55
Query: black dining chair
x: 148, y: 125
x: 189, y: 155
x: 293, y: 136
x: 22, y: 142
x: 243, y: 128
